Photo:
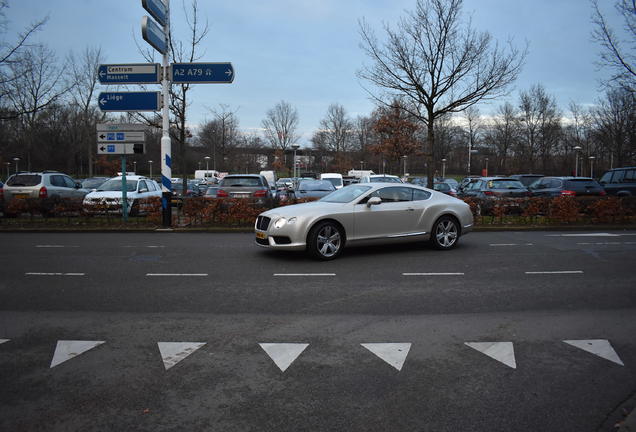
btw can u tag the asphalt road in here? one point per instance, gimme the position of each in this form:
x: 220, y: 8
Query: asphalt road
x: 526, y: 291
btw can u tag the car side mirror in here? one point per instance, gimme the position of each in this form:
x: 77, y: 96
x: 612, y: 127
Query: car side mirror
x: 374, y: 201
x: 78, y: 185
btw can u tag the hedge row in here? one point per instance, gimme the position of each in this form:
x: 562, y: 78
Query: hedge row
x: 203, y: 212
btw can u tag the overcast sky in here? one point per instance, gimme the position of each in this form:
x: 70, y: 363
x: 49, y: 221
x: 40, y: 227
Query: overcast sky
x: 307, y: 51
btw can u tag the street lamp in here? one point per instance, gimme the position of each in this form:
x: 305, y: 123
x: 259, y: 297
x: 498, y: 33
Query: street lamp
x: 295, y: 147
x: 404, y: 158
x: 577, y: 149
x: 443, y: 168
x: 150, y: 163
x: 199, y: 165
x: 486, y: 166
x: 361, y: 165
x: 16, y: 160
x: 591, y: 158
x: 135, y: 167
x: 207, y: 162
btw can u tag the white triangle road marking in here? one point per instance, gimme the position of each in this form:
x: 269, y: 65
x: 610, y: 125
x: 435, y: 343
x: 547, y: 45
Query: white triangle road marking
x: 67, y: 349
x: 599, y: 347
x: 501, y: 351
x: 283, y: 354
x: 4, y: 340
x: 173, y: 352
x: 392, y: 353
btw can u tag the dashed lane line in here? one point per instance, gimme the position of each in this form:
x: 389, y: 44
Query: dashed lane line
x: 555, y: 272
x: 303, y: 274
x: 511, y: 244
x: 432, y: 274
x: 177, y: 274
x: 53, y: 274
x: 56, y: 246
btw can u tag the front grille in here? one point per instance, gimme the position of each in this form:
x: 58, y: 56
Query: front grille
x: 262, y: 223
x: 263, y: 242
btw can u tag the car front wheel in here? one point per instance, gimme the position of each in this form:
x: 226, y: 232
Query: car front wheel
x: 325, y: 241
x: 445, y: 234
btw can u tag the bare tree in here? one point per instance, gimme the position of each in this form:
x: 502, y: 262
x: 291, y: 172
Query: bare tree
x: 473, y: 130
x: 438, y: 64
x: 280, y: 125
x: 619, y: 54
x: 615, y: 125
x: 11, y: 53
x: 504, y: 134
x: 220, y: 135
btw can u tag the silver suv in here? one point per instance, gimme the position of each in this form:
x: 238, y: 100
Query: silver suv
x: 46, y: 186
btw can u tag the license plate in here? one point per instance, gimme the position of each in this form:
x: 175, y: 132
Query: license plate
x: 21, y: 196
x: 261, y: 235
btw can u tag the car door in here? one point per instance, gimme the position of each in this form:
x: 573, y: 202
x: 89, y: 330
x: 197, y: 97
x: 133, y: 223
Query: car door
x: 71, y: 190
x: 394, y: 217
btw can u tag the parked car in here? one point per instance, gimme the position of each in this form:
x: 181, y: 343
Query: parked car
x: 454, y: 184
x: 619, y: 181
x: 445, y: 188
x: 362, y: 214
x: 48, y: 187
x: 211, y: 192
x: 284, y: 182
x: 108, y: 197
x: 92, y: 183
x: 527, y: 179
x: 380, y: 178
x: 465, y: 181
x: 347, y: 180
x: 246, y: 186
x: 494, y: 187
x: 566, y: 186
x: 313, y: 189
x: 419, y: 181
x: 334, y: 178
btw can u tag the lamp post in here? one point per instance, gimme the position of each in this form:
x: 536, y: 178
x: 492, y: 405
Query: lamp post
x: 577, y: 149
x: 207, y: 162
x: 17, y: 163
x: 150, y: 164
x: 444, y: 168
x: 591, y: 158
x: 361, y: 165
x: 486, y: 166
x: 135, y: 167
x: 295, y: 147
x: 404, y: 171
x: 198, y: 165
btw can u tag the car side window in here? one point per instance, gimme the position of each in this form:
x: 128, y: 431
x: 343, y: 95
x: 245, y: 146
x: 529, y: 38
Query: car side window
x: 142, y: 185
x: 69, y: 183
x: 395, y: 194
x: 476, y: 185
x: 151, y: 186
x: 606, y: 177
x: 420, y: 195
x: 618, y: 176
x: 57, y: 180
x: 630, y: 176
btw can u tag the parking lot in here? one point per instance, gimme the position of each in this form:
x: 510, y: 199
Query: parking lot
x: 208, y: 331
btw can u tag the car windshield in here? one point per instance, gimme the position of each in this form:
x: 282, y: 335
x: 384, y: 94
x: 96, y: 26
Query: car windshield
x: 24, y: 180
x: 505, y: 184
x: 320, y: 185
x: 93, y: 183
x: 241, y: 181
x: 114, y: 185
x: 441, y: 187
x: 336, y: 181
x: 385, y: 180
x: 346, y: 194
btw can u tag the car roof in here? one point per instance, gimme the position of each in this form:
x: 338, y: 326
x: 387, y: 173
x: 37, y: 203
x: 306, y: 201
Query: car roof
x: 131, y: 177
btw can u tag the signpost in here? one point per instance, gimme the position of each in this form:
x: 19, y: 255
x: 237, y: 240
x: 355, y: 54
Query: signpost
x: 135, y: 73
x: 154, y: 35
x: 157, y: 9
x: 121, y: 148
x: 129, y: 101
x: 202, y: 73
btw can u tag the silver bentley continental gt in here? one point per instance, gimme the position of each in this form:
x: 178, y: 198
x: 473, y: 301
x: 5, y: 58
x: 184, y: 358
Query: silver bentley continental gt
x: 362, y: 214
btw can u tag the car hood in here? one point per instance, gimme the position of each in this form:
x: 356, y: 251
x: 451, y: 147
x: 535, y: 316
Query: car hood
x: 109, y: 195
x: 304, y: 209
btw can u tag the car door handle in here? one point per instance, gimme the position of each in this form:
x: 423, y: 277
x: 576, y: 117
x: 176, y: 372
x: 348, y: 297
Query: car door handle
x: 410, y: 209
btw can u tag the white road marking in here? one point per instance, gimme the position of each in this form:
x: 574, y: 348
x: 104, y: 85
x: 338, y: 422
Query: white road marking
x: 4, y: 340
x: 586, y: 235
x: 56, y: 246
x: 432, y: 274
x: 177, y: 274
x: 555, y: 272
x: 511, y: 244
x: 67, y: 349
x: 501, y: 351
x: 54, y: 274
x: 304, y: 274
x: 603, y: 243
x: 599, y: 347
x: 392, y: 353
x: 173, y: 352
x: 283, y: 354
x: 151, y: 246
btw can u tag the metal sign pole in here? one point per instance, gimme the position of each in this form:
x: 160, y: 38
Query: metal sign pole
x: 124, y: 190
x: 166, y: 149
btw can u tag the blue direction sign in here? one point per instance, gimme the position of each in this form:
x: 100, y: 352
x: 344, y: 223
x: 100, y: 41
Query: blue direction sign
x: 157, y: 9
x: 136, y: 73
x: 129, y: 101
x: 154, y: 35
x: 203, y: 73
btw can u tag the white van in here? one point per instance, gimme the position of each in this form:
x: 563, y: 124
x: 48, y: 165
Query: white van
x: 210, y: 176
x: 360, y: 173
x: 334, y: 178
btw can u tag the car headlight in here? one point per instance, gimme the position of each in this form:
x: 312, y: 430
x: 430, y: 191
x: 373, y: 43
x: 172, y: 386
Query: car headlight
x: 282, y: 221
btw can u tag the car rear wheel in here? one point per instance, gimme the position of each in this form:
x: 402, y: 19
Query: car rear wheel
x: 325, y: 241
x: 445, y: 234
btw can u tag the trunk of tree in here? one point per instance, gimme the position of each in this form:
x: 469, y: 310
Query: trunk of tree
x: 430, y: 150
